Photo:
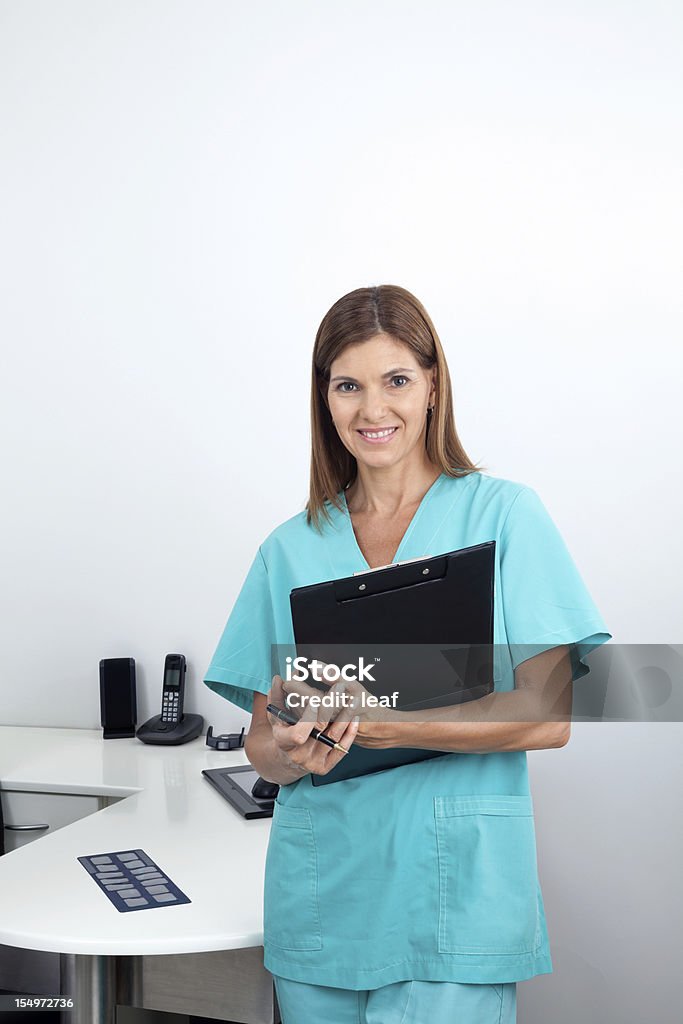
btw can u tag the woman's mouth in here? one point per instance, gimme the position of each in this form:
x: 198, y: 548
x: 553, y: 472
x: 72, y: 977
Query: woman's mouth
x: 378, y: 436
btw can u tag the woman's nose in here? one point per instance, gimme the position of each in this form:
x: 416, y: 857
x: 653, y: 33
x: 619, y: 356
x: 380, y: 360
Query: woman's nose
x: 374, y: 406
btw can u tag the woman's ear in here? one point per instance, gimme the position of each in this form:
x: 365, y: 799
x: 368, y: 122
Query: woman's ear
x: 432, y: 389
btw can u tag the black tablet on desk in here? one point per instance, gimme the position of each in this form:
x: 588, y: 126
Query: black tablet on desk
x: 235, y: 785
x: 426, y: 627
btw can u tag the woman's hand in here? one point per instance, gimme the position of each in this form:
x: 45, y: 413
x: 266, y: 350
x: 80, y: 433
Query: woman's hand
x: 295, y: 742
x: 349, y: 700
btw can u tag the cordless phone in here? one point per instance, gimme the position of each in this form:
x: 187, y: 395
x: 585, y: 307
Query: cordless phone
x: 173, y: 691
x: 172, y: 726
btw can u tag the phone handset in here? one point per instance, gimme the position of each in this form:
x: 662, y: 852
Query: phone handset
x: 173, y: 690
x: 172, y: 726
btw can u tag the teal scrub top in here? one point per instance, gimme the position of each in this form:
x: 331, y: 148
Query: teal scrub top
x: 428, y: 871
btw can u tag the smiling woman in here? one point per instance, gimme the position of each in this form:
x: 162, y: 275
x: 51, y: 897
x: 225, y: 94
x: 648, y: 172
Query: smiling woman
x: 411, y: 893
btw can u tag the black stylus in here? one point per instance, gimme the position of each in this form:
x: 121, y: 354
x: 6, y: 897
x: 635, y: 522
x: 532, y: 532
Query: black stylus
x: 317, y: 734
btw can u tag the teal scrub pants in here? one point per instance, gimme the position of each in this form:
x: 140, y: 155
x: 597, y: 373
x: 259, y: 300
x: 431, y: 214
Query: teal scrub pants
x: 404, y: 1002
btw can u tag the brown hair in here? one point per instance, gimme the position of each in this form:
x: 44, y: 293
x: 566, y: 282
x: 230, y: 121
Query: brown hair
x: 356, y: 317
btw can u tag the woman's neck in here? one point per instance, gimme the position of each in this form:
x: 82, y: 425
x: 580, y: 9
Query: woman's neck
x: 385, y: 491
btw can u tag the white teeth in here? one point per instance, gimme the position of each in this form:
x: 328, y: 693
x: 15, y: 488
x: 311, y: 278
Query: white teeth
x: 380, y: 433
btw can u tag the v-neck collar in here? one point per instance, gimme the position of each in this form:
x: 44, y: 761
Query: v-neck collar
x: 406, y: 536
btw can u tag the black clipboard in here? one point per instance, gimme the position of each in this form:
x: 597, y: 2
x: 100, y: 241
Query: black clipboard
x: 442, y: 606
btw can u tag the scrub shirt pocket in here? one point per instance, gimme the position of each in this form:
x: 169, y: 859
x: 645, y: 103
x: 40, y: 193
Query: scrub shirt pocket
x: 486, y: 847
x: 291, y: 915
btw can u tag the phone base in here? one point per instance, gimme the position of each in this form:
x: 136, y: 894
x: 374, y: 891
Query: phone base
x: 156, y: 731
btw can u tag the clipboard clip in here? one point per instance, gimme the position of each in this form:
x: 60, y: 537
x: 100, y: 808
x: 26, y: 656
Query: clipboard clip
x: 391, y: 565
x: 390, y: 577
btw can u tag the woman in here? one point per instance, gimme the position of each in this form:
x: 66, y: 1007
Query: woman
x: 410, y: 894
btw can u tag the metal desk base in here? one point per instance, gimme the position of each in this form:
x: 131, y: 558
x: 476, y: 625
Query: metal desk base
x: 96, y: 984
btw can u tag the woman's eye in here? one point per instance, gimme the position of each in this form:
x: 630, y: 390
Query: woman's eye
x: 343, y: 385
x: 399, y: 378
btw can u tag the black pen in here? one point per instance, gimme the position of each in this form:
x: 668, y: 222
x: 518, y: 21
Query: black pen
x: 317, y: 734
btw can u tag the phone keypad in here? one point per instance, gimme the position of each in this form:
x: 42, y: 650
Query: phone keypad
x: 170, y: 707
x: 132, y: 881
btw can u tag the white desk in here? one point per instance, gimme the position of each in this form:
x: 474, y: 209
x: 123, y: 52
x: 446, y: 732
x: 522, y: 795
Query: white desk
x: 216, y: 857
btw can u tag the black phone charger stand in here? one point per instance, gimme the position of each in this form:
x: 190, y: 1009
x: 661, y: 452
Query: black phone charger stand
x: 226, y: 741
x: 170, y: 733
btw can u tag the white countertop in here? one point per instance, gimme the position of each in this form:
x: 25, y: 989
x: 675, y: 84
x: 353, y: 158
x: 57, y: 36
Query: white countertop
x: 171, y: 811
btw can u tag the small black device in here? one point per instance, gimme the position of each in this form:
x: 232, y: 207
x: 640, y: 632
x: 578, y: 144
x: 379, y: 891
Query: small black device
x: 172, y: 726
x: 226, y: 740
x: 264, y: 790
x: 118, y: 702
x: 237, y: 786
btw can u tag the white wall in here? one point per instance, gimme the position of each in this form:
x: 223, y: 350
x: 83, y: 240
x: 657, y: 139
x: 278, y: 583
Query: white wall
x: 185, y: 189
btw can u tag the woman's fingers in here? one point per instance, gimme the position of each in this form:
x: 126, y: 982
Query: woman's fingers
x: 323, y: 706
x: 296, y: 740
x: 277, y: 694
x: 344, y: 734
x: 323, y: 759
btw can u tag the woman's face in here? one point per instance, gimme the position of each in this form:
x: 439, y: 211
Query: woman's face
x: 376, y: 386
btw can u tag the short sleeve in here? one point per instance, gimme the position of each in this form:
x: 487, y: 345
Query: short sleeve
x: 545, y: 601
x: 242, y: 661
